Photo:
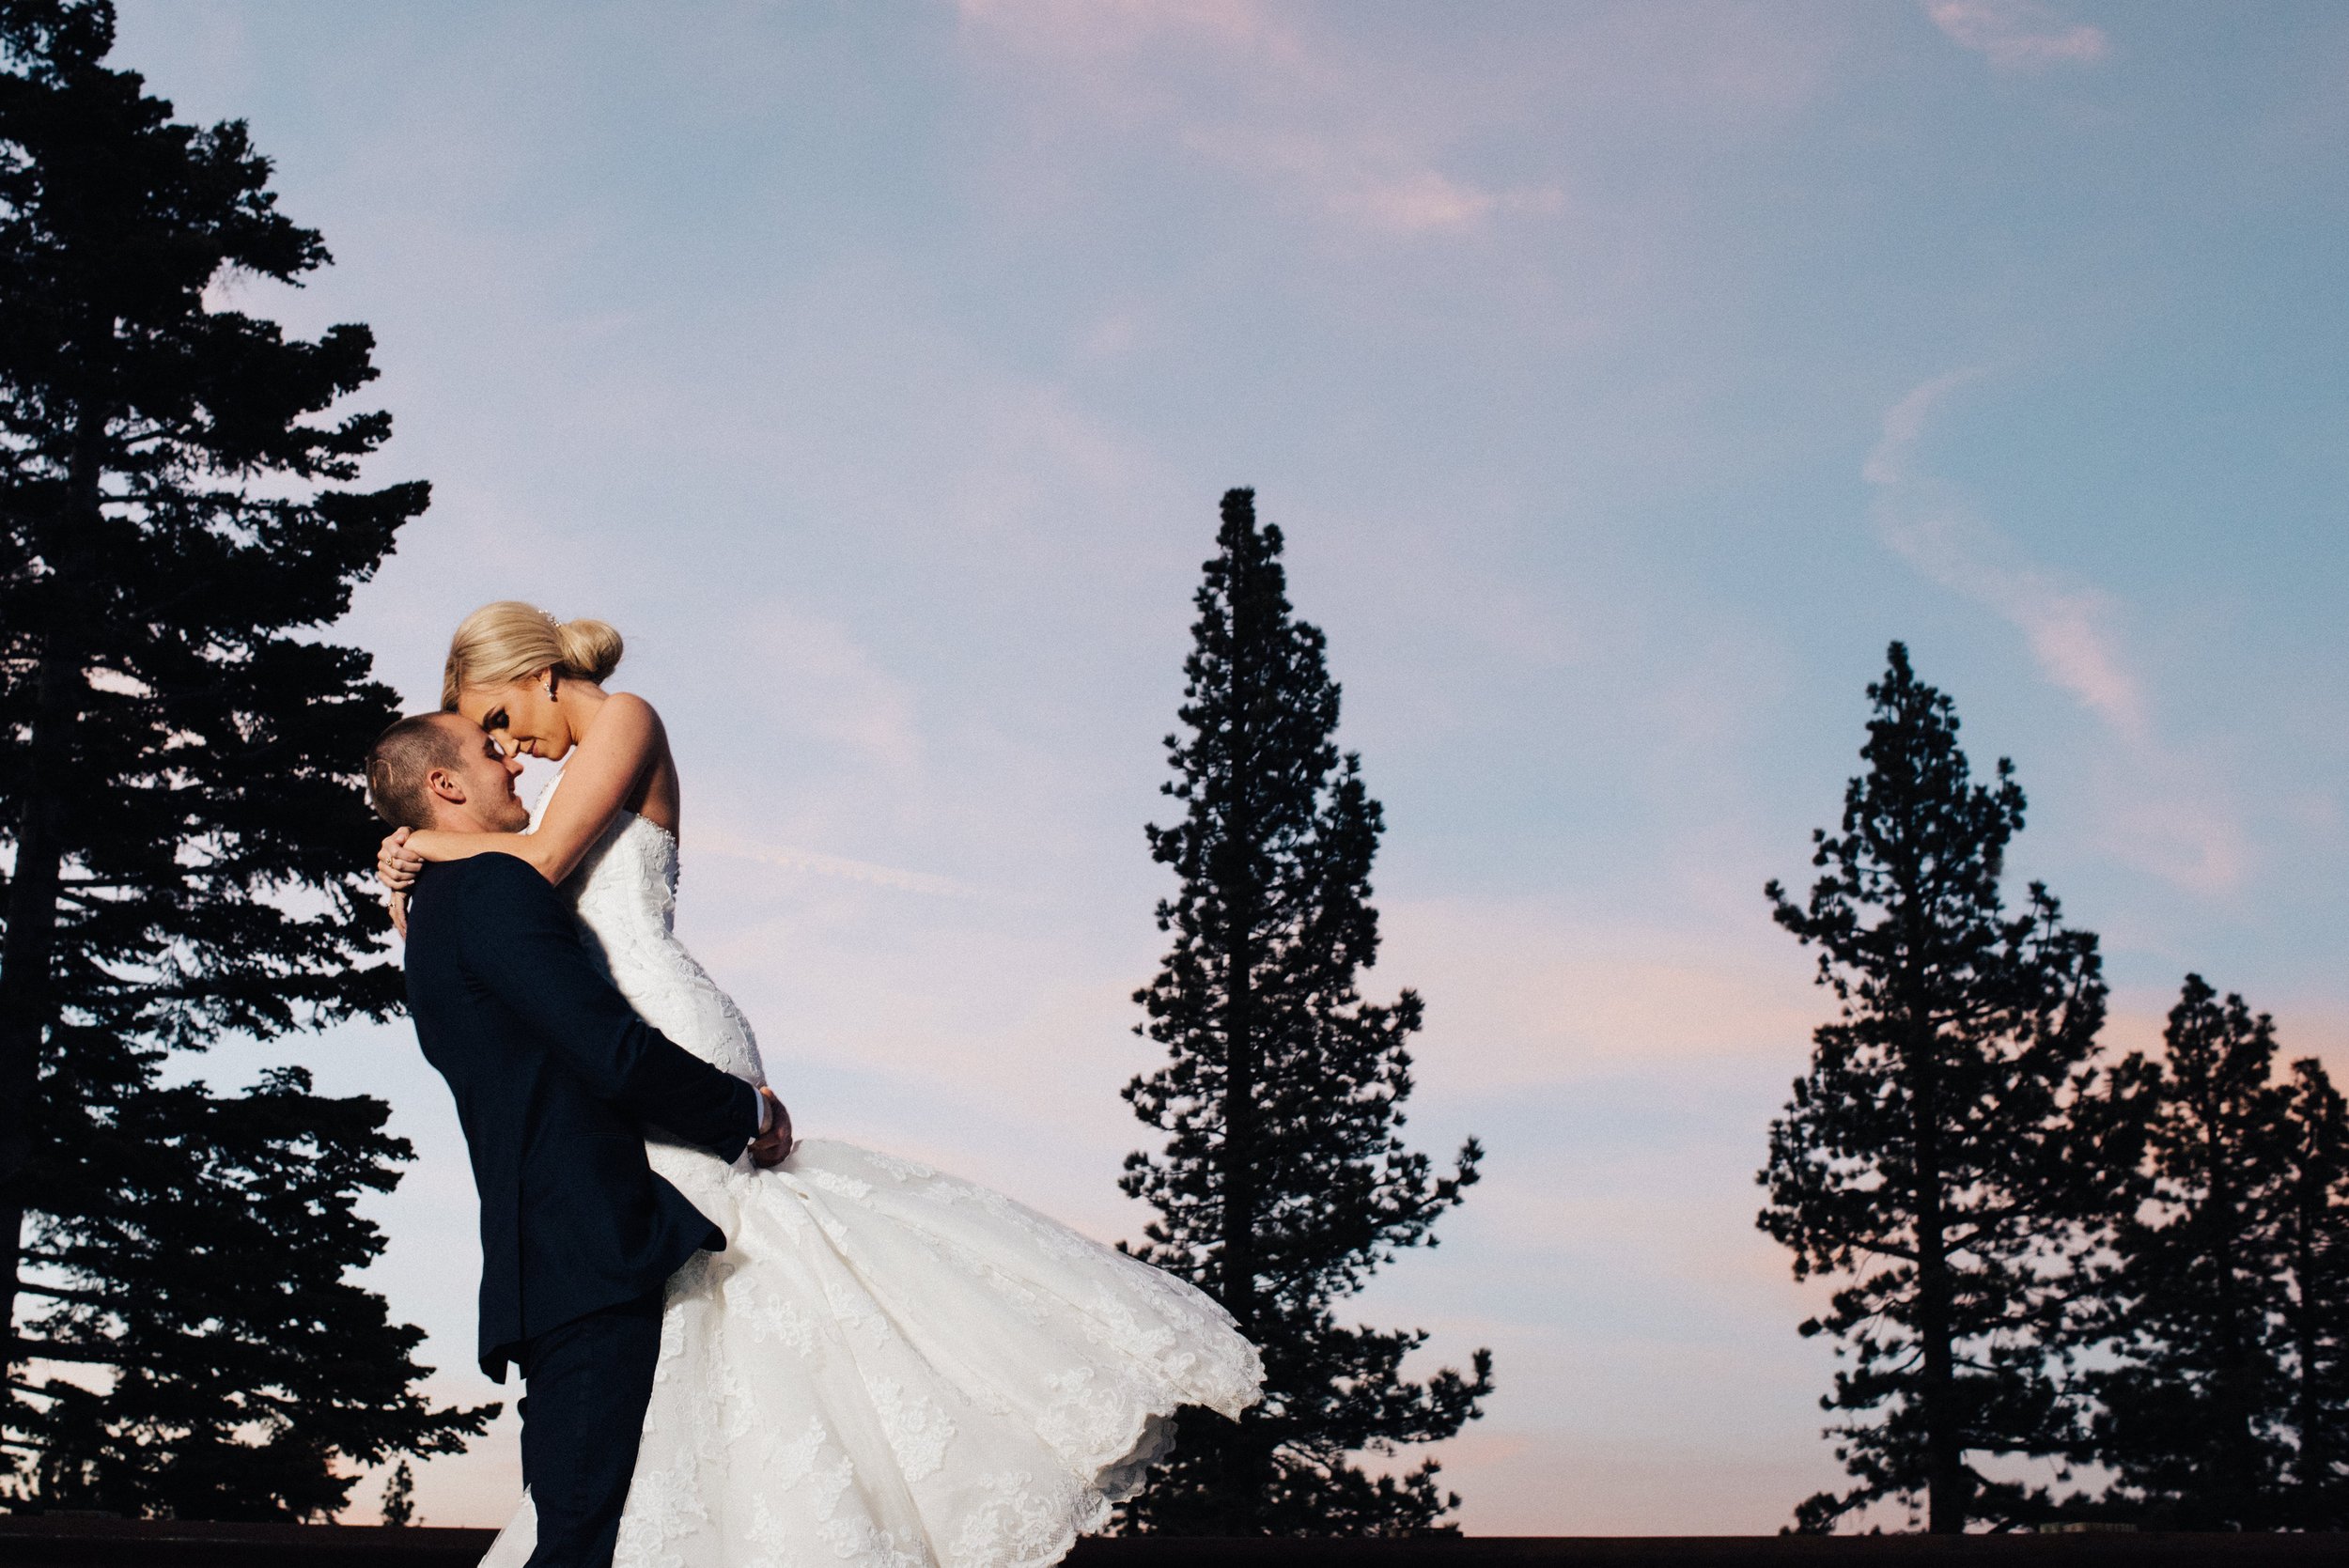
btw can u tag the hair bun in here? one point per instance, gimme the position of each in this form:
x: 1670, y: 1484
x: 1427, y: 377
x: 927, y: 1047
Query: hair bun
x: 510, y: 640
x: 591, y: 648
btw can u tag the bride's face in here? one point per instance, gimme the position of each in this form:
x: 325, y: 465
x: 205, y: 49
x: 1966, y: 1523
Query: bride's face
x: 521, y: 716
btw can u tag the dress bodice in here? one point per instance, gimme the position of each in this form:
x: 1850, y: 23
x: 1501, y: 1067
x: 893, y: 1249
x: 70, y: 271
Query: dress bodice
x: 625, y: 893
x: 628, y: 880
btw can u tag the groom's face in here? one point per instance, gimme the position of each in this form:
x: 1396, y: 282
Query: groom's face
x: 485, y: 781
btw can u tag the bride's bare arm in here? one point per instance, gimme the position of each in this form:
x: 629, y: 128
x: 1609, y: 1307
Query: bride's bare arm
x: 600, y: 777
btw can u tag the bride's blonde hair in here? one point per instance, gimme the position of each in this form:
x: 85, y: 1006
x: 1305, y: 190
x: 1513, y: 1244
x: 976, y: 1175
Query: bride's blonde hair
x: 500, y: 643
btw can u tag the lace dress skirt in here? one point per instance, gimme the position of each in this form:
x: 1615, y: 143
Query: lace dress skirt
x: 890, y: 1367
x: 887, y: 1367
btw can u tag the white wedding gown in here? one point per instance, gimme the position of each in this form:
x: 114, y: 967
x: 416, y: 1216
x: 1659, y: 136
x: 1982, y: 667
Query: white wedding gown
x: 886, y: 1366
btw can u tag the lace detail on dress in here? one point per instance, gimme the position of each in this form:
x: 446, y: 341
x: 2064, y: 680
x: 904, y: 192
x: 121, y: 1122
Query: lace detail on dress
x: 918, y: 1430
x: 625, y: 891
x: 887, y: 1367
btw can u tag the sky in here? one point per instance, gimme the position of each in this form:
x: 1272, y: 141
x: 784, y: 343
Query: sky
x: 1624, y: 377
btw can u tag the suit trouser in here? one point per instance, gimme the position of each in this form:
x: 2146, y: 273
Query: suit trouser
x: 588, y: 1383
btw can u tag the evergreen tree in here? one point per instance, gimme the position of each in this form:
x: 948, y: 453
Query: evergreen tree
x: 1926, y: 1159
x: 2314, y: 1193
x: 1283, y: 1184
x: 2216, y: 1329
x: 185, y: 835
x: 2191, y: 1387
x: 400, y: 1497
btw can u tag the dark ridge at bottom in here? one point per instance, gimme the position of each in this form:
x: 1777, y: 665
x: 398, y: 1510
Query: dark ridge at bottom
x: 53, y: 1542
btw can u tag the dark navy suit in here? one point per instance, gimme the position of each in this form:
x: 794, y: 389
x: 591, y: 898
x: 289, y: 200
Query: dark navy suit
x: 556, y: 1079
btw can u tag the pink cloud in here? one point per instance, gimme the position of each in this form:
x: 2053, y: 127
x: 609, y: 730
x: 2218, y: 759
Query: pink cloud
x: 1308, y: 118
x: 1425, y: 201
x: 2016, y: 35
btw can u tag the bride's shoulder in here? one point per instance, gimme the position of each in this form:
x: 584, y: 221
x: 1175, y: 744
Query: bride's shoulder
x: 626, y: 702
x: 630, y: 716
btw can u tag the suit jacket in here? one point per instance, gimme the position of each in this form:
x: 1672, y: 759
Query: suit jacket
x: 555, y: 1079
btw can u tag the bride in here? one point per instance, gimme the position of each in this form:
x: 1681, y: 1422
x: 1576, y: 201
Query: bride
x: 886, y: 1366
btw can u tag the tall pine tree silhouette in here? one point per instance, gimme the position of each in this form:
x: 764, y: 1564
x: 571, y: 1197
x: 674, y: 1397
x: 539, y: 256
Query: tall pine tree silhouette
x: 1283, y: 1184
x: 184, y: 831
x: 2213, y: 1323
x: 1927, y: 1159
x: 2189, y: 1413
x: 2314, y: 1222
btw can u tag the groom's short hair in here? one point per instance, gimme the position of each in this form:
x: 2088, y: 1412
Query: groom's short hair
x: 402, y: 758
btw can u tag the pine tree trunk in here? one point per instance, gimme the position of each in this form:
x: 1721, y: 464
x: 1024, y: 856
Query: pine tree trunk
x: 25, y: 998
x: 2313, y: 1460
x: 1239, y: 1136
x: 2232, y: 1433
x: 1948, y: 1496
x: 27, y: 1002
x: 1245, y: 1467
x: 1947, y: 1493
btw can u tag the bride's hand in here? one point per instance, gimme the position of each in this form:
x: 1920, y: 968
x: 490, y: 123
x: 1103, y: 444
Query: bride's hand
x: 396, y: 864
x: 399, y: 914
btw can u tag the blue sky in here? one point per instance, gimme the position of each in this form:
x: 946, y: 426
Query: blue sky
x: 1624, y: 377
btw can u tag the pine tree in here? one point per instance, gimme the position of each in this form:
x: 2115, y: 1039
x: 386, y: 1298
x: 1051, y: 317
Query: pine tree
x: 208, y: 1241
x: 2191, y: 1387
x: 1283, y: 1184
x: 186, y: 839
x: 1926, y: 1159
x: 400, y: 1497
x: 2314, y: 1222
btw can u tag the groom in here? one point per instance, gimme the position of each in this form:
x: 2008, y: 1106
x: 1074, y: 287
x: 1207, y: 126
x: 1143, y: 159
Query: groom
x: 556, y: 1079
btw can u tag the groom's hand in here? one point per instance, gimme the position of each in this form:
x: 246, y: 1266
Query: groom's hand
x: 772, y: 1146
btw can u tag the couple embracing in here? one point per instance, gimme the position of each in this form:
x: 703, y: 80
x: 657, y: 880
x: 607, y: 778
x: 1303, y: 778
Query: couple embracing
x: 737, y: 1348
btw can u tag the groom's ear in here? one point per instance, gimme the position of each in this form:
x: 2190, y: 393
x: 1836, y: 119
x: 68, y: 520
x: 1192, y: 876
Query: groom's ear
x: 443, y: 783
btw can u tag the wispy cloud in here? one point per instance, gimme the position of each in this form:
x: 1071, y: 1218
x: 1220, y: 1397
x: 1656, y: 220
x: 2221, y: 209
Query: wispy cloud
x: 2069, y: 627
x: 815, y: 862
x: 2162, y: 817
x: 2017, y: 35
x: 1369, y: 182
